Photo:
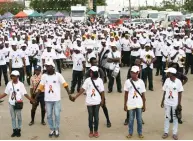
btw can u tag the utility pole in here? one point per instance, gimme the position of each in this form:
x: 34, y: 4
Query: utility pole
x: 146, y: 3
x: 130, y: 8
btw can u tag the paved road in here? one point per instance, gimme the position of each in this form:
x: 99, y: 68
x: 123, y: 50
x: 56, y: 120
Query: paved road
x: 74, y: 124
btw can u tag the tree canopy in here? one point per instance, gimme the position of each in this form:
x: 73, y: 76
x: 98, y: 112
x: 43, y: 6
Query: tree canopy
x: 188, y: 5
x: 12, y: 7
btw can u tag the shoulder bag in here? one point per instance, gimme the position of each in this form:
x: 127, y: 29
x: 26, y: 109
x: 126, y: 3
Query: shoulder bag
x: 19, y: 103
x: 116, y: 69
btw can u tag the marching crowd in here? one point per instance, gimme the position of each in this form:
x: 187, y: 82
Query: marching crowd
x: 36, y: 54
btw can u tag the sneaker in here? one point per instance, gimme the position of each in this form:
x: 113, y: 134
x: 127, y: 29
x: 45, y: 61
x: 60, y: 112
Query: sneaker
x: 91, y: 134
x: 18, y: 132
x: 57, y: 133
x: 96, y: 134
x: 108, y: 124
x: 51, y: 133
x: 14, y: 133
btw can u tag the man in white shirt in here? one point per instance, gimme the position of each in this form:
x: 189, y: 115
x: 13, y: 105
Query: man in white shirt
x: 126, y: 51
x: 134, y: 100
x: 157, y: 51
x: 114, y: 57
x: 17, y: 61
x: 90, y: 53
x: 51, y: 85
x: 171, y: 101
x: 78, y: 69
x: 3, y: 65
x: 27, y: 62
x: 135, y: 51
x: 147, y: 57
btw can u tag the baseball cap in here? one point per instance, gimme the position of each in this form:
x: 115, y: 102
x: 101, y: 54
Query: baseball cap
x: 37, y: 67
x: 50, y: 63
x: 15, y: 73
x: 94, y: 68
x: 113, y: 44
x: 135, y: 69
x: 171, y: 70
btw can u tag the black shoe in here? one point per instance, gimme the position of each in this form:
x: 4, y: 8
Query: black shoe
x: 51, y: 133
x: 57, y: 133
x: 171, y: 120
x: 43, y: 123
x: 143, y: 122
x: 151, y: 89
x: 180, y: 121
x: 156, y: 74
x: 108, y: 124
x: 109, y: 91
x: 1, y: 101
x: 31, y: 123
x: 126, y: 122
x: 14, y: 133
x: 18, y: 132
x: 119, y: 91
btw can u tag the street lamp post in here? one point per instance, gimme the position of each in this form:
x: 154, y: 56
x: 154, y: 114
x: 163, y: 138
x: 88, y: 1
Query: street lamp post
x: 130, y: 8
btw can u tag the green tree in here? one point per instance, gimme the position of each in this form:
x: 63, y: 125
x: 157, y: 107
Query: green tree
x: 100, y: 2
x: 188, y: 5
x: 12, y: 7
x: 59, y: 5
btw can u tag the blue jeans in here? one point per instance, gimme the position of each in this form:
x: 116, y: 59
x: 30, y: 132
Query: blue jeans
x: 138, y: 113
x: 53, y: 106
x: 15, y: 114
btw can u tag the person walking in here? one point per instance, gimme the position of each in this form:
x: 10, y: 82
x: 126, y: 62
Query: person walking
x: 134, y: 101
x: 50, y: 84
x: 173, y: 89
x: 34, y: 83
x: 94, y: 88
x: 16, y: 90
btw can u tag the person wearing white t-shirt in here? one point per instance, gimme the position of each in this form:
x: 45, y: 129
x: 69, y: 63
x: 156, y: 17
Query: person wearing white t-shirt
x: 3, y: 65
x: 27, y: 62
x: 126, y: 51
x: 16, y: 90
x: 17, y: 61
x: 33, y: 58
x: 134, y: 101
x: 51, y: 85
x: 189, y: 49
x: 135, y: 51
x: 171, y: 100
x: 114, y: 59
x: 7, y: 51
x: 94, y: 88
x: 147, y: 57
x: 89, y: 54
x: 78, y: 69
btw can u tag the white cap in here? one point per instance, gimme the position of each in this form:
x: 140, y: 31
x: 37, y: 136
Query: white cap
x: 78, y: 48
x: 113, y: 44
x: 48, y: 44
x: 171, y: 70
x: 78, y: 39
x: 89, y: 47
x: 135, y: 69
x: 13, y: 43
x: 147, y: 45
x: 94, y: 68
x: 23, y: 45
x: 50, y: 63
x: 103, y: 40
x: 15, y: 73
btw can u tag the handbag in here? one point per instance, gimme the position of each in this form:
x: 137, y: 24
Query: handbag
x: 178, y: 112
x: 18, y: 103
x: 115, y: 70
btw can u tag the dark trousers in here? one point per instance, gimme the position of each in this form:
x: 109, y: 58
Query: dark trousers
x: 163, y: 68
x: 111, y: 81
x: 20, y: 70
x: 93, y: 116
x: 58, y: 63
x: 105, y: 73
x: 158, y: 65
x: 148, y: 74
x: 40, y: 100
x: 3, y: 69
x: 132, y: 60
x: 126, y: 57
x: 105, y: 110
x: 7, y: 63
x: 77, y: 77
x: 33, y: 62
x: 189, y: 62
x: 28, y: 74
x: 181, y: 70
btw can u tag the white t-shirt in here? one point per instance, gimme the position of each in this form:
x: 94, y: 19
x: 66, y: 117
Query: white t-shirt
x: 135, y: 45
x: 158, y: 48
x: 180, y: 54
x: 6, y: 51
x: 134, y: 99
x: 49, y: 56
x: 172, y: 89
x: 19, y: 89
x: 33, y: 49
x: 143, y: 56
x: 16, y: 57
x: 166, y: 50
x: 77, y: 61
x: 126, y: 44
x: 26, y: 57
x: 116, y: 54
x: 92, y: 95
x: 2, y: 57
x: 52, y: 86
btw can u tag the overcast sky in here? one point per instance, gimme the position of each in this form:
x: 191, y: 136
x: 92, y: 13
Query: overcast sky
x: 133, y: 2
